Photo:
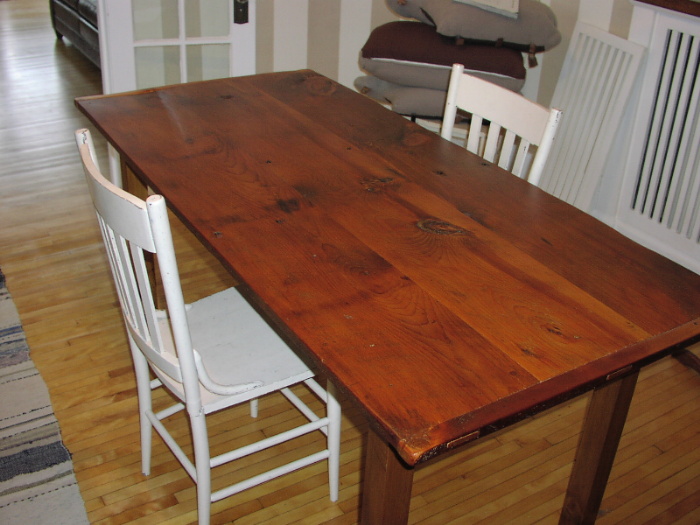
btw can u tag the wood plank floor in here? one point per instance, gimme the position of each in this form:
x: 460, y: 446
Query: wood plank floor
x: 52, y: 256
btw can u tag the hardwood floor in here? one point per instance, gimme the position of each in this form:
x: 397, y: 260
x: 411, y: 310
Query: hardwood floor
x: 52, y: 255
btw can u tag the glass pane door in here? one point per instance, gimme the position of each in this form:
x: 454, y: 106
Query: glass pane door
x: 189, y: 40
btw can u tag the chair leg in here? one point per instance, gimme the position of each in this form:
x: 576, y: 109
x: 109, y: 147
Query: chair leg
x: 143, y: 387
x: 333, y: 413
x: 202, y: 461
x: 146, y: 442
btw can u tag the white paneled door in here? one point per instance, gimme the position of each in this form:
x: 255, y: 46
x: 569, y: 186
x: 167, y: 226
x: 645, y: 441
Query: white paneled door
x: 147, y: 43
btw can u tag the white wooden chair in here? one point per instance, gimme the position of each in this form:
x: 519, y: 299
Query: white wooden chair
x: 595, y: 84
x: 212, y: 354
x: 517, y: 125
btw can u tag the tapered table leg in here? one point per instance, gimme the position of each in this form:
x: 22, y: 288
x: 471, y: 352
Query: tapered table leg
x: 386, y: 489
x: 602, y: 429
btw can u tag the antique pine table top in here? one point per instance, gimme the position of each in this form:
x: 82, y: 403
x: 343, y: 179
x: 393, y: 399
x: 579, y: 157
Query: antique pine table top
x: 443, y: 295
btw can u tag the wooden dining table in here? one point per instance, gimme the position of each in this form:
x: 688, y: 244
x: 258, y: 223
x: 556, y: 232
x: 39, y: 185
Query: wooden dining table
x: 445, y: 297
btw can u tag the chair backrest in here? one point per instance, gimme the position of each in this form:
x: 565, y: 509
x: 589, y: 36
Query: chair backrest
x: 130, y: 227
x: 517, y: 125
x: 594, y: 85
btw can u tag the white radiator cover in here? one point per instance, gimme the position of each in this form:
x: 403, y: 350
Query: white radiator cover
x: 660, y: 199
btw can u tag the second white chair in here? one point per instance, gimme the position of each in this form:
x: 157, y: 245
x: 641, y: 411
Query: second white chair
x: 517, y: 126
x: 212, y: 354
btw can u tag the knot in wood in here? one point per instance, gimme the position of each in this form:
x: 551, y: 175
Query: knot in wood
x: 414, y: 139
x: 439, y: 227
x: 320, y: 86
x: 375, y: 184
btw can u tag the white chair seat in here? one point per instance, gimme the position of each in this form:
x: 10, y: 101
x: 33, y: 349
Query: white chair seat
x: 233, y: 341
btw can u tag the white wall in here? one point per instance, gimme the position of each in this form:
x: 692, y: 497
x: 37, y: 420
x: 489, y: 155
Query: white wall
x: 611, y: 15
x: 327, y: 35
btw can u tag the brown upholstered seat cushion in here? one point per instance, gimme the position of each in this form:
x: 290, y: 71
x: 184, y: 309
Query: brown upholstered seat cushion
x: 413, y: 54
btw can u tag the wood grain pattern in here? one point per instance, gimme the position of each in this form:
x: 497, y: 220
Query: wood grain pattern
x: 52, y: 255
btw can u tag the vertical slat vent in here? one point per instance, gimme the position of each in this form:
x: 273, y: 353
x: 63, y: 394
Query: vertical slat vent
x: 667, y: 189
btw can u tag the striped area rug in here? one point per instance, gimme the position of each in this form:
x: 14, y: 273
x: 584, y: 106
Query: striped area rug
x: 37, y: 484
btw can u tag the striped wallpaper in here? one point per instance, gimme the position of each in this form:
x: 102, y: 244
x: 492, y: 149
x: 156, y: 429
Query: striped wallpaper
x: 326, y: 35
